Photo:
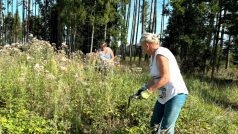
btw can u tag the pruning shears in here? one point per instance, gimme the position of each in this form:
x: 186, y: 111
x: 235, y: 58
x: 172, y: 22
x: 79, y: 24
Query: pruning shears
x: 134, y: 96
x: 137, y: 95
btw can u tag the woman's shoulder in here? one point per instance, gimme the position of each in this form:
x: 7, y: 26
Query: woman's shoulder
x: 108, y: 48
x: 164, y: 51
x: 160, y: 50
x: 163, y: 48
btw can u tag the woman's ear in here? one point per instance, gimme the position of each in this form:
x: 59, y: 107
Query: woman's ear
x: 147, y: 46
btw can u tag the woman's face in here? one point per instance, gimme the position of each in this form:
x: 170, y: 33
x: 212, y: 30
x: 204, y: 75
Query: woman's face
x: 146, y: 48
x: 102, y: 46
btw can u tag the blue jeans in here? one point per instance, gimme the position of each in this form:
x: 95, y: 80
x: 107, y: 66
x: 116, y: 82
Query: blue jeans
x: 165, y: 115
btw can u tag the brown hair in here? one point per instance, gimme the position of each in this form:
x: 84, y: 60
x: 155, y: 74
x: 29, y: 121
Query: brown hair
x: 103, y: 43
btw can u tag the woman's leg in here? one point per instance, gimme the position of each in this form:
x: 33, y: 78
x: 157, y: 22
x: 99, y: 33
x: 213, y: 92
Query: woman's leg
x: 156, y: 118
x: 171, y: 113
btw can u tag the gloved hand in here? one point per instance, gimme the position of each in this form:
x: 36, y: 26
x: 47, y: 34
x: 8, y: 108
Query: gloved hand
x: 144, y: 87
x: 145, y: 94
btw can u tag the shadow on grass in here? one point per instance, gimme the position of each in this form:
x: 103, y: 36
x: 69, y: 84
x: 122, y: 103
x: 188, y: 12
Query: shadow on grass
x: 222, y: 101
x: 219, y: 82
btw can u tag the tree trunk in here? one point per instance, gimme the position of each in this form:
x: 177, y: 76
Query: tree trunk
x: 105, y: 32
x: 92, y: 36
x: 143, y: 17
x: 7, y: 6
x: 12, y: 29
x: 28, y: 20
x: 23, y: 19
x: 162, y: 21
x: 1, y: 22
x: 12, y: 7
x: 128, y: 16
x: 32, y: 6
x: 133, y: 29
x: 142, y: 26
x: 123, y: 12
x: 137, y: 27
x: 228, y: 53
x: 68, y: 39
x: 215, y: 44
x: 5, y: 28
x: 127, y: 24
x: 5, y: 31
x: 46, y: 25
x: 39, y: 11
x: 209, y: 40
x: 151, y: 10
x: 72, y: 38
x: 221, y: 45
x: 75, y: 32
x: 16, y: 26
x: 154, y: 20
x: 35, y: 7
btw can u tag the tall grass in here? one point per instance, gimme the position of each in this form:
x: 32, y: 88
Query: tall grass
x: 44, y: 91
x: 210, y: 108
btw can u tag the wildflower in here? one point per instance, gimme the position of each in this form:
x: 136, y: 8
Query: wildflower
x: 50, y: 76
x: 38, y: 68
x: 76, y: 75
x: 6, y: 46
x: 63, y: 68
x: 64, y: 45
x: 137, y: 69
x: 63, y: 59
x: 28, y: 57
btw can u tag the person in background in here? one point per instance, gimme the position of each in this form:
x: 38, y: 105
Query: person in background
x: 105, y: 53
x: 105, y: 57
x: 167, y: 79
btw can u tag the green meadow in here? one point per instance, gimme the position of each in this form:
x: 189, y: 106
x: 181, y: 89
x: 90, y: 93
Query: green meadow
x: 44, y: 91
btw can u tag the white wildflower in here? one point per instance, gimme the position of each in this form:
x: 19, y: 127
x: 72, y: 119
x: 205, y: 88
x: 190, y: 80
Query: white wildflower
x: 76, y: 75
x: 64, y: 45
x: 38, y: 68
x: 63, y: 59
x: 50, y: 76
x: 62, y: 68
x: 28, y: 57
x: 6, y: 46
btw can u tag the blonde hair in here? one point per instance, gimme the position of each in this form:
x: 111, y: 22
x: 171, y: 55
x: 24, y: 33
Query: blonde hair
x: 149, y: 37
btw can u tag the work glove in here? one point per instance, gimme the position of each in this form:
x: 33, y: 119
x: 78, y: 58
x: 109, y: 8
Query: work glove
x: 144, y: 87
x: 145, y: 94
x: 138, y: 93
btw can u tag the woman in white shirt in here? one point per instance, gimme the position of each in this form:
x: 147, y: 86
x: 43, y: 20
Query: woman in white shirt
x: 167, y: 79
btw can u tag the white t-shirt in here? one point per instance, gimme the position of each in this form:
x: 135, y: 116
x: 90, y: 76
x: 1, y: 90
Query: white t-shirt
x: 176, y: 83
